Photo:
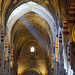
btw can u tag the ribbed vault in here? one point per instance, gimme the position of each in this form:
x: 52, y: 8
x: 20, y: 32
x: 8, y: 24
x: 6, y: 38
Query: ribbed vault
x: 23, y: 39
x: 20, y: 34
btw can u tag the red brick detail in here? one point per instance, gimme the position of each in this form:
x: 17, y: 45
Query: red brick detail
x: 65, y: 28
x: 72, y: 15
x: 68, y: 54
x: 1, y: 36
x: 1, y: 40
x: 5, y: 46
x: 65, y: 32
x: 1, y: 33
x: 60, y: 36
x: 68, y: 59
x: 9, y: 51
x: 72, y: 5
x: 56, y: 47
x: 71, y: 21
x: 0, y: 64
x: 11, y: 56
x: 65, y: 23
x: 60, y: 40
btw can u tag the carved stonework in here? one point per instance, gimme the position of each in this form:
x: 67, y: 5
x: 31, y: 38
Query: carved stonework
x: 15, y: 1
x: 32, y: 61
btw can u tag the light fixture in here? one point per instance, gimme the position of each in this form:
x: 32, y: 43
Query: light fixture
x: 32, y: 49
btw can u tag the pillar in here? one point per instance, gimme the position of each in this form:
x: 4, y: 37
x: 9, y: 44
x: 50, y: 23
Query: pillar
x: 14, y: 60
x: 6, y: 63
x: 9, y: 58
x: 2, y: 51
x: 65, y: 34
x: 57, y: 57
x: 60, y: 54
x: 68, y: 58
x: 54, y: 59
x: 15, y: 66
x: 71, y: 25
x: 71, y: 20
x: 49, y: 65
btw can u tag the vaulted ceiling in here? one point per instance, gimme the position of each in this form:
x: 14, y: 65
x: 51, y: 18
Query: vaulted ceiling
x: 23, y: 39
x: 20, y: 32
x: 19, y: 29
x: 62, y: 6
x: 32, y: 30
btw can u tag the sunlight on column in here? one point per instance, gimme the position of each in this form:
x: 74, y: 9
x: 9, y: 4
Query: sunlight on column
x: 70, y: 71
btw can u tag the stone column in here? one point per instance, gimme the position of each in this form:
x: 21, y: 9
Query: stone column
x: 9, y: 57
x: 49, y: 65
x: 60, y: 53
x: 54, y: 59
x: 72, y: 56
x: 57, y: 56
x: 71, y: 24
x: 15, y: 66
x: 71, y: 20
x: 65, y: 34
x: 68, y: 56
x: 52, y: 63
x: 6, y: 62
x: 50, y: 70
x: 2, y: 51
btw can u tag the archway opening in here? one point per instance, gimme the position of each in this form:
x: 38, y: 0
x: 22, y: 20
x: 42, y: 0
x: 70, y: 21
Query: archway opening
x: 31, y: 7
x: 26, y: 33
x: 29, y: 27
x: 31, y: 73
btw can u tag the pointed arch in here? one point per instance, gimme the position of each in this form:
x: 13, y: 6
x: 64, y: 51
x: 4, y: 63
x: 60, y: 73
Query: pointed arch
x: 28, y: 7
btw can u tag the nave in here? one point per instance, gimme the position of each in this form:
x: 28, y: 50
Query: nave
x: 37, y: 37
